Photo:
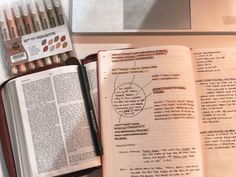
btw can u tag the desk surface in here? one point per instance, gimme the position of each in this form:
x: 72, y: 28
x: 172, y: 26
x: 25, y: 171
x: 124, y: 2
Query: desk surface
x: 84, y: 44
x: 194, y: 41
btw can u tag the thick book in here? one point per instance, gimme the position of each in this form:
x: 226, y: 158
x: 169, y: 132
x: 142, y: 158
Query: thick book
x: 46, y: 117
x: 168, y: 111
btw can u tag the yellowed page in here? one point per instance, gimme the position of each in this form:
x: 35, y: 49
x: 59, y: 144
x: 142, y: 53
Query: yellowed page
x: 148, y: 113
x: 216, y: 85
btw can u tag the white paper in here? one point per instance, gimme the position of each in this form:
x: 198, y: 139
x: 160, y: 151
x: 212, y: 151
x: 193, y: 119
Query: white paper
x: 55, y: 122
x: 216, y: 86
x: 145, y: 98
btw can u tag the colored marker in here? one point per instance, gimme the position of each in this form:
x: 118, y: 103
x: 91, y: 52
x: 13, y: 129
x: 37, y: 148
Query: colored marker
x: 21, y: 27
x: 29, y: 26
x: 51, y: 13
x: 62, y: 21
x: 38, y: 27
x: 6, y: 35
x: 13, y: 33
x: 19, y: 22
x: 54, y: 22
x: 59, y: 12
x: 46, y: 24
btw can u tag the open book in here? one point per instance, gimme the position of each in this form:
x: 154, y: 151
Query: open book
x: 168, y: 111
x: 48, y: 123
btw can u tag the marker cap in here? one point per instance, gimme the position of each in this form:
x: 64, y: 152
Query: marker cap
x: 2, y: 16
x: 8, y: 11
x: 16, y: 10
x: 32, y: 6
x: 40, y: 5
x: 24, y: 8
x: 57, y: 3
x: 48, y: 4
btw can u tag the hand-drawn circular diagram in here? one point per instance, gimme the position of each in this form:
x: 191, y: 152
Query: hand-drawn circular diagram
x: 128, y: 100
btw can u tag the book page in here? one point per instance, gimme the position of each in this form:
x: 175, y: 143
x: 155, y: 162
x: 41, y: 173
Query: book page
x: 15, y: 127
x: 4, y: 72
x: 216, y: 85
x: 55, y: 122
x: 148, y: 115
x: 91, y: 70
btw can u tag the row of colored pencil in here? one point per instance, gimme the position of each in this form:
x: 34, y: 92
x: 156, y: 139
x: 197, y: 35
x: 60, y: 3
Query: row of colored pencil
x: 22, y: 17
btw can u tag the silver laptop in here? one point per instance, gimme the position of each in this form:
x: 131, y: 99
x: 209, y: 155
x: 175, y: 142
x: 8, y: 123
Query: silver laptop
x: 119, y: 16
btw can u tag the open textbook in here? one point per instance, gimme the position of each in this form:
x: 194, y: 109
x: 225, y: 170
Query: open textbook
x: 168, y: 111
x: 49, y: 128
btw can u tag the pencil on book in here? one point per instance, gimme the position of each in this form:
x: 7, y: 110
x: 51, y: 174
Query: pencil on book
x: 90, y: 109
